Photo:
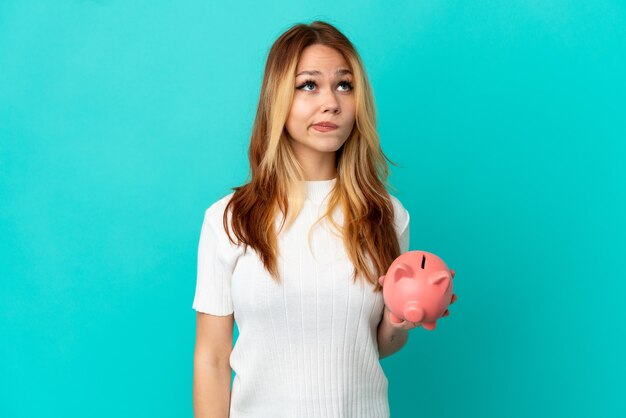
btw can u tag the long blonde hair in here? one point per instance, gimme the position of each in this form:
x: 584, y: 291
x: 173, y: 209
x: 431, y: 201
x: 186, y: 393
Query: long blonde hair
x: 276, y: 184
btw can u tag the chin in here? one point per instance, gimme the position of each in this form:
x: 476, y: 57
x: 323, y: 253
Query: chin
x: 328, y: 148
x: 327, y: 142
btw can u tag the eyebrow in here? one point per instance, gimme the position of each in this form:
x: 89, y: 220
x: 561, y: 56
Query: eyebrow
x: 341, y: 71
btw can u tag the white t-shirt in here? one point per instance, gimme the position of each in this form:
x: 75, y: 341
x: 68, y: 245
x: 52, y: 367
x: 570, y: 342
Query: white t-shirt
x: 307, y: 347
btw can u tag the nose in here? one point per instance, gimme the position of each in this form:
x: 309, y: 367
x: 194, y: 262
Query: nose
x: 330, y: 103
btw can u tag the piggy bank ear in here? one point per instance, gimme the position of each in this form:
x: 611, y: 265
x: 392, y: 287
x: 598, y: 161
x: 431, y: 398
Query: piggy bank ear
x: 402, y: 270
x: 440, y: 279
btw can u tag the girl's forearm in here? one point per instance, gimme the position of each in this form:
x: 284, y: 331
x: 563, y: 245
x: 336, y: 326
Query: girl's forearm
x: 390, y: 339
x: 211, y: 390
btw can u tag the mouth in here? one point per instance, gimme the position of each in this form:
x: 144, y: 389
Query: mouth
x: 324, y: 126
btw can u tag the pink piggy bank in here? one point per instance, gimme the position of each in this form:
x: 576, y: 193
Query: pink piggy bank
x: 418, y: 288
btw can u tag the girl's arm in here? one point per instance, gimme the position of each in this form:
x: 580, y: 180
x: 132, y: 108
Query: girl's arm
x: 211, y: 366
x: 390, y: 338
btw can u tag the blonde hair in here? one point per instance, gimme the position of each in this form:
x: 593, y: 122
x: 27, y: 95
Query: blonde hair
x: 276, y: 184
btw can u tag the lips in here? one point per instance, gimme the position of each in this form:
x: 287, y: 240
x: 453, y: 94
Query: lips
x: 328, y: 125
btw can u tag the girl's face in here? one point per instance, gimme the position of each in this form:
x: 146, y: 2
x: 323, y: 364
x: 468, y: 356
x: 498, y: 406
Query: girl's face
x: 323, y: 94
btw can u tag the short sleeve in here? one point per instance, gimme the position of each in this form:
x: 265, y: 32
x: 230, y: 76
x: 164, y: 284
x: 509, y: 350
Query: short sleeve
x: 216, y: 263
x: 401, y: 224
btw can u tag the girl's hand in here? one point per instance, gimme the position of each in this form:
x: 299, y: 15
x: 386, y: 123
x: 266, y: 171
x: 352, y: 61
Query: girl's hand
x: 407, y: 325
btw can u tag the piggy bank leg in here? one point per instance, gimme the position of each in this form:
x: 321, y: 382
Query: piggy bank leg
x: 430, y: 326
x: 394, y: 318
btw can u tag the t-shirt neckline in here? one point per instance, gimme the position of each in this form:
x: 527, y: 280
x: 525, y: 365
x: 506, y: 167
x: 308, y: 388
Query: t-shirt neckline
x: 318, y: 190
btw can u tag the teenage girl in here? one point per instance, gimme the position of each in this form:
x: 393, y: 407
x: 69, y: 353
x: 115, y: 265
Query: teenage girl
x: 294, y: 255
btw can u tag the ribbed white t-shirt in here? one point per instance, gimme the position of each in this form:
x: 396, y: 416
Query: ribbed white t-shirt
x: 307, y: 347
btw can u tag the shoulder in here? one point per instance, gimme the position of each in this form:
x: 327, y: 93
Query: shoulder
x: 214, y: 221
x: 214, y: 214
x: 400, y: 213
x: 216, y: 209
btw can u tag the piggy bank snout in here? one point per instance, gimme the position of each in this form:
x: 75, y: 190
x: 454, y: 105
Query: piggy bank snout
x: 413, y: 313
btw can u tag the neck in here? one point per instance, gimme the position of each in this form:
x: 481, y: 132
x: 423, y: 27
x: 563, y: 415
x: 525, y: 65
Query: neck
x: 316, y: 165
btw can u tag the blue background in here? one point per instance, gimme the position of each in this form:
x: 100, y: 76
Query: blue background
x: 120, y: 122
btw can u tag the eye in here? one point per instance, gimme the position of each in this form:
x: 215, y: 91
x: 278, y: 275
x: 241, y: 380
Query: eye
x: 306, y: 83
x: 347, y: 84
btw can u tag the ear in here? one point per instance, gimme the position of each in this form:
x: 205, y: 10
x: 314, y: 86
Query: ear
x: 402, y: 270
x: 440, y: 279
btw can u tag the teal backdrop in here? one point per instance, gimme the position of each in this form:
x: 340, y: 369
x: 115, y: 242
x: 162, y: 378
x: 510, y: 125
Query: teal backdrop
x: 121, y: 122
